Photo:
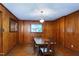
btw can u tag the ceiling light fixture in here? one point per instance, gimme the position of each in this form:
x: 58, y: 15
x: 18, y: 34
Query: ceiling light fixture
x: 42, y: 20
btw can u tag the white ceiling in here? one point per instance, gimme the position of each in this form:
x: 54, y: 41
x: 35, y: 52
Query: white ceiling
x: 31, y: 11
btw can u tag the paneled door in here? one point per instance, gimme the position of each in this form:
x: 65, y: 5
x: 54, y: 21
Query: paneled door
x: 1, y: 46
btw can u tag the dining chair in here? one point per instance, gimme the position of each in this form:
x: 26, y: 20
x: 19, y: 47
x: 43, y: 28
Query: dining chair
x: 47, y: 49
x: 34, y: 46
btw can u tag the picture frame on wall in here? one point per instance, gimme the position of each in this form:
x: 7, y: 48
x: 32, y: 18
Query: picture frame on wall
x: 13, y: 25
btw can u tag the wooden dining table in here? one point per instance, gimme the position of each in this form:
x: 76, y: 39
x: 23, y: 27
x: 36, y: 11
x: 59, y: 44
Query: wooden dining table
x: 41, y: 42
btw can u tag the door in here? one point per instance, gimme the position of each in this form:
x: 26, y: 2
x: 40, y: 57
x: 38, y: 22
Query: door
x: 1, y: 46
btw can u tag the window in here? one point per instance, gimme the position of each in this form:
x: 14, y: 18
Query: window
x: 36, y: 27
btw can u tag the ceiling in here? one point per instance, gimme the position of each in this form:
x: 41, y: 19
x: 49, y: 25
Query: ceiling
x: 32, y: 11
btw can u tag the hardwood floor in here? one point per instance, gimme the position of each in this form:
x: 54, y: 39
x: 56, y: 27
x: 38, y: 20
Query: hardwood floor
x: 27, y: 50
x: 22, y: 50
x: 60, y: 51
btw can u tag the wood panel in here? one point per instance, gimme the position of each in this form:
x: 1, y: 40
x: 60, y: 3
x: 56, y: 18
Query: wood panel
x: 61, y: 31
x: 21, y: 32
x: 57, y: 32
x: 54, y: 31
x: 68, y: 31
x: 28, y: 36
x: 1, y: 45
x: 27, y: 33
x: 76, y: 34
x: 9, y: 38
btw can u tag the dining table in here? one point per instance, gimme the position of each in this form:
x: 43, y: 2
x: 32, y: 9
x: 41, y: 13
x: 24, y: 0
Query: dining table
x: 41, y: 42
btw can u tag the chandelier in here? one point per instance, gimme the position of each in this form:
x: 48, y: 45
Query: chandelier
x: 42, y: 16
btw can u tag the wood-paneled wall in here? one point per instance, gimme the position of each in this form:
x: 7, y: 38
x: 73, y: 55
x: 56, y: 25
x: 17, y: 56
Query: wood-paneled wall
x: 67, y: 30
x: 1, y: 45
x: 72, y: 31
x: 25, y: 36
x: 9, y: 38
